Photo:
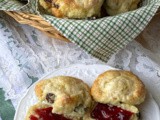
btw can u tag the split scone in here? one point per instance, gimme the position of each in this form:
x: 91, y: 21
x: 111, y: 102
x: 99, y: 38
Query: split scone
x: 73, y: 8
x: 117, y: 91
x: 68, y: 96
x: 114, y: 7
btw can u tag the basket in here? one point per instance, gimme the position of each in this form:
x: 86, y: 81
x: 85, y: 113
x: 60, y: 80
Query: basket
x: 37, y: 22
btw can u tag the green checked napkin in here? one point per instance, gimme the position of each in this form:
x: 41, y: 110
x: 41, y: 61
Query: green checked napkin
x: 102, y: 37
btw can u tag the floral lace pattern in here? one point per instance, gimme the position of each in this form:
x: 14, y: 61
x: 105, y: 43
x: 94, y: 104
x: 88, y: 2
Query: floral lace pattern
x: 26, y: 54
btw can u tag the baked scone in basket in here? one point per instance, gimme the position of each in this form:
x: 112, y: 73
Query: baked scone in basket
x: 100, y: 27
x: 76, y: 9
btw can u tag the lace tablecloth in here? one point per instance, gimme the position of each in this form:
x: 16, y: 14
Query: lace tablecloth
x: 26, y: 54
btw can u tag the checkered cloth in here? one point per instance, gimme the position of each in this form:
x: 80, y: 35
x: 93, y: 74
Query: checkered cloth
x: 102, y: 37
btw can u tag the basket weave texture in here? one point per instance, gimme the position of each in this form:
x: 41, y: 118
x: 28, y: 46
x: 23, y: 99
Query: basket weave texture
x: 37, y: 22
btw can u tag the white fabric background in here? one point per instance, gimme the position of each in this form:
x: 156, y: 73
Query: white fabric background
x: 26, y: 54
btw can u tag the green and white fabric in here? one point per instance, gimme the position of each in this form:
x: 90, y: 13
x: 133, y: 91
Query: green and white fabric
x: 102, y: 37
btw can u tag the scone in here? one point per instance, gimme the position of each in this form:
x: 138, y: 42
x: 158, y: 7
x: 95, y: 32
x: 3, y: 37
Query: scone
x: 116, y: 86
x: 73, y: 8
x: 117, y: 90
x: 114, y: 7
x: 42, y: 111
x: 67, y: 95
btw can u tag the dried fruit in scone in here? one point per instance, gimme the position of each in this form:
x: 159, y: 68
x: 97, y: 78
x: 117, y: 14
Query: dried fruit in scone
x: 42, y: 111
x: 74, y: 8
x: 117, y: 86
x: 114, y: 7
x: 67, y: 95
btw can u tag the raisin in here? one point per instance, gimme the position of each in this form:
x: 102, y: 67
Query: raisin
x: 50, y: 97
x: 50, y: 1
x: 55, y: 5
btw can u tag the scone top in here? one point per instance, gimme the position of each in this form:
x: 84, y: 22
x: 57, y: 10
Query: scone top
x: 90, y: 9
x: 114, y: 7
x: 78, y: 9
x: 67, y: 95
x: 117, y: 86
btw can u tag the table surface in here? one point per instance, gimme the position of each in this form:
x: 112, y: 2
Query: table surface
x: 26, y: 54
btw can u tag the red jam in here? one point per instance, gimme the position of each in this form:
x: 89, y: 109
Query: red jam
x: 108, y: 112
x: 46, y: 114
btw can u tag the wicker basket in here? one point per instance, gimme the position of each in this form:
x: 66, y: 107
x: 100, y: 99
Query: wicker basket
x: 37, y: 22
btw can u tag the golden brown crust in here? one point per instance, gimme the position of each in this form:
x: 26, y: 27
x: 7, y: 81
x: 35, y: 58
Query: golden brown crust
x: 114, y: 7
x: 39, y: 89
x: 117, y: 86
x: 74, y: 8
x: 67, y: 95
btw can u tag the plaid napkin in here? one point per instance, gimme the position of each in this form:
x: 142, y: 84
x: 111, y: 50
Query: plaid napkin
x: 102, y: 37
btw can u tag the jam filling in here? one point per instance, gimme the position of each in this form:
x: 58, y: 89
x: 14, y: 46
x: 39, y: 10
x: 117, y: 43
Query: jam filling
x: 108, y: 112
x: 46, y: 114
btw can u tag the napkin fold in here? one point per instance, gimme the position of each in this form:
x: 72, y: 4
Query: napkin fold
x: 101, y: 37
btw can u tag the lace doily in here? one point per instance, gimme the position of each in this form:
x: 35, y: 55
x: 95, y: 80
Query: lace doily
x: 26, y: 54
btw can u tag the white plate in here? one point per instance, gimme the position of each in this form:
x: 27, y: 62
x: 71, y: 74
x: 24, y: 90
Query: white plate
x: 149, y: 109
